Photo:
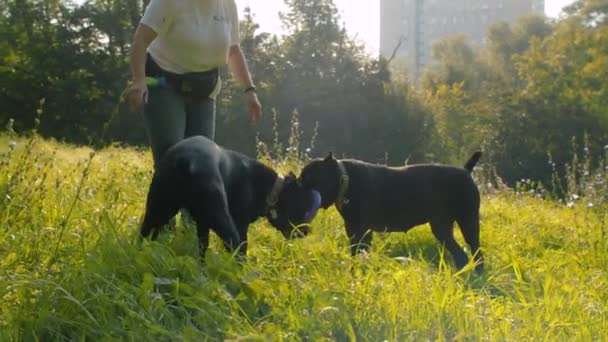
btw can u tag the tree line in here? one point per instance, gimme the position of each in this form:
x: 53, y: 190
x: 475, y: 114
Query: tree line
x: 537, y: 86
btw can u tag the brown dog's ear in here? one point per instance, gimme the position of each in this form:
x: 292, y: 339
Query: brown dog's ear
x: 329, y: 157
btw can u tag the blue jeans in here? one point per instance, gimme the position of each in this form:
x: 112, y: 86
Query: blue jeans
x: 169, y: 118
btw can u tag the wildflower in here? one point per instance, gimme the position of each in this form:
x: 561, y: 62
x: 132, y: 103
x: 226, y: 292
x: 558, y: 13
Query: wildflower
x: 12, y: 145
x: 570, y: 204
x: 308, y: 150
x: 9, y: 125
x: 575, y: 196
x: 589, y: 205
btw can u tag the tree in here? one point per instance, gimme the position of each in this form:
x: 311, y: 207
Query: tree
x: 59, y: 53
x: 455, y: 61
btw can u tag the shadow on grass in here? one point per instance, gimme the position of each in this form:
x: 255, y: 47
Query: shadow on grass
x: 420, y: 245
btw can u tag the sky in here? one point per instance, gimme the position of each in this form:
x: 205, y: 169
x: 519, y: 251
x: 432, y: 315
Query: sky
x: 361, y: 17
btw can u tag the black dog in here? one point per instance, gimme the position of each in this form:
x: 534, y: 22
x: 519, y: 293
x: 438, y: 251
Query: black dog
x: 225, y: 191
x: 389, y: 199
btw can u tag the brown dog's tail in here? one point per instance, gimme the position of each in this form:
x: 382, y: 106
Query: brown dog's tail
x: 472, y: 161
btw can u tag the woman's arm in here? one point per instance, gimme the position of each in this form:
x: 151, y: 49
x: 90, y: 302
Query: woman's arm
x: 238, y: 65
x: 138, y: 91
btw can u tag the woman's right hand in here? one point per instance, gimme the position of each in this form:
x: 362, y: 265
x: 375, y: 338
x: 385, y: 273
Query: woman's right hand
x: 137, y: 95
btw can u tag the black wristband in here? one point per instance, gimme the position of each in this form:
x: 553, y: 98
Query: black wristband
x: 248, y: 89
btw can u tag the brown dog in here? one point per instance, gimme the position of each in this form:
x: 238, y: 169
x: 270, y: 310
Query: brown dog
x: 390, y: 199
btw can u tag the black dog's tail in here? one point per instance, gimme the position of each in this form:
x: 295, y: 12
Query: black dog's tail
x: 185, y: 166
x: 472, y: 161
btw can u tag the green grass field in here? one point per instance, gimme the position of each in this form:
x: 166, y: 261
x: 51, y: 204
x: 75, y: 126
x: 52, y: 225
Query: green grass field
x: 70, y: 268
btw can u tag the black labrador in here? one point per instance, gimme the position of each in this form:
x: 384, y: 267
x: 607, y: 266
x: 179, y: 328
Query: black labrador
x: 390, y: 199
x: 224, y: 191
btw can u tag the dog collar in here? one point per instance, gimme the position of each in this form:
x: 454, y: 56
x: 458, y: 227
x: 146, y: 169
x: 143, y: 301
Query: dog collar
x: 341, y: 199
x: 273, y: 197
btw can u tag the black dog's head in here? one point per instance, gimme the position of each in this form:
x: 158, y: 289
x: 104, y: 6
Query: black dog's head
x: 323, y: 176
x: 295, y: 209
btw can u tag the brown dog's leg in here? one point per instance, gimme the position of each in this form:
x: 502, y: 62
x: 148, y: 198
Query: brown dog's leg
x: 360, y: 239
x: 470, y: 231
x: 443, y: 231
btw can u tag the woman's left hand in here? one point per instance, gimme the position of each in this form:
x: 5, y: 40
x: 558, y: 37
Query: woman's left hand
x: 254, y: 106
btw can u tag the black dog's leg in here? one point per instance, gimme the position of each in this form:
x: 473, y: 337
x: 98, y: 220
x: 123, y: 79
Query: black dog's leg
x: 443, y: 231
x: 226, y: 230
x: 160, y: 208
x: 469, y: 227
x: 203, y: 239
x: 360, y: 239
x: 217, y: 216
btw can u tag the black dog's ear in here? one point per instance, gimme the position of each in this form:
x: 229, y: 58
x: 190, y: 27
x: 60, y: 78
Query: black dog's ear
x: 291, y: 175
x: 329, y: 157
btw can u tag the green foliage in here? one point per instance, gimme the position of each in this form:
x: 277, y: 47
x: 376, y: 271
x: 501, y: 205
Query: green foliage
x: 535, y: 87
x: 71, y: 268
x: 70, y: 56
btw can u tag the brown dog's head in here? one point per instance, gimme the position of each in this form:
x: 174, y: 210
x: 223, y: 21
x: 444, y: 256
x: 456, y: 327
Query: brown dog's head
x: 296, y: 207
x: 322, y: 175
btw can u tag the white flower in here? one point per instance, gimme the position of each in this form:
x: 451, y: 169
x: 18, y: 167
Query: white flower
x: 570, y: 204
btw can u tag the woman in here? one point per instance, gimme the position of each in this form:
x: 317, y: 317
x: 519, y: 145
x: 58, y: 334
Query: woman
x: 177, y: 50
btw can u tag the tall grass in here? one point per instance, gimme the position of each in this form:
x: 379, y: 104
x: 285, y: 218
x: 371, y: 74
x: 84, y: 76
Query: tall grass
x: 70, y: 268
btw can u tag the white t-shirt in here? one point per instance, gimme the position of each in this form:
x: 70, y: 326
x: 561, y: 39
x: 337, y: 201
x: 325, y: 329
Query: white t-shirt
x: 192, y: 35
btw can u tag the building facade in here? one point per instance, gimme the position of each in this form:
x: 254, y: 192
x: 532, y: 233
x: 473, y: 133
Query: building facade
x: 417, y: 24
